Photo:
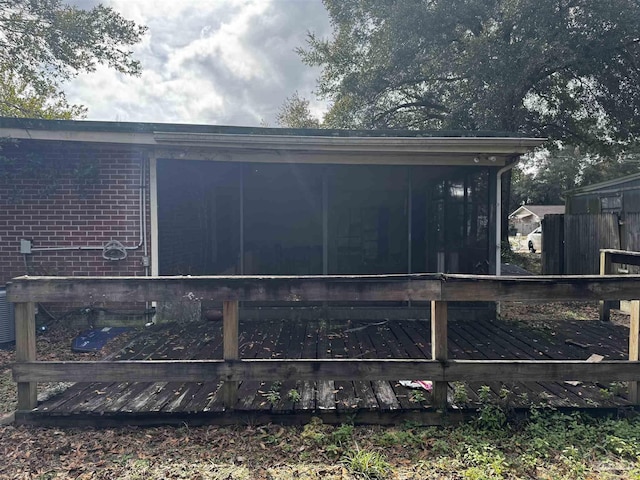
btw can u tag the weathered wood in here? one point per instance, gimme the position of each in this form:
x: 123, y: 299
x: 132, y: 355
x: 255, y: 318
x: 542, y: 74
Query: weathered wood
x: 539, y: 288
x: 325, y: 391
x: 585, y: 235
x: 336, y: 369
x: 553, y: 245
x: 25, y: 320
x: 326, y: 288
x: 634, y: 332
x: 230, y: 348
x: 439, y: 350
x: 362, y: 417
x: 604, y: 307
x: 622, y: 256
x: 293, y: 289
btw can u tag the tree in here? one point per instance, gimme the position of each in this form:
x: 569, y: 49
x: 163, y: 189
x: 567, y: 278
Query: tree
x: 45, y: 42
x: 545, y: 178
x: 19, y: 99
x: 295, y: 113
x: 565, y: 69
x: 542, y: 179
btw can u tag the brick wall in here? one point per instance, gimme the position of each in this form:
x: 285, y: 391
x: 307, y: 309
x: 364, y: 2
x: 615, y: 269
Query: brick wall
x: 68, y: 195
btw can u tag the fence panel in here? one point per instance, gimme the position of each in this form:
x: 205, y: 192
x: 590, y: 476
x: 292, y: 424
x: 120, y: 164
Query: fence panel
x: 631, y: 236
x: 584, y: 236
x: 553, y: 245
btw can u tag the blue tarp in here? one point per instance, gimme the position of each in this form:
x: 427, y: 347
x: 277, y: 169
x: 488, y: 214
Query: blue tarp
x: 93, y: 340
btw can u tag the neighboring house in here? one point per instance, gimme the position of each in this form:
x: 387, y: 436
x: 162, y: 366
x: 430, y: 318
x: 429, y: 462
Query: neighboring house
x: 527, y: 218
x: 111, y: 198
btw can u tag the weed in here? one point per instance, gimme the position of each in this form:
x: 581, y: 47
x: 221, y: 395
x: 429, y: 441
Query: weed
x: 460, y: 395
x: 314, y: 431
x: 273, y: 395
x: 614, y: 389
x: 397, y: 437
x: 606, y: 393
x: 417, y: 396
x: 490, y: 416
x: 441, y: 447
x: 342, y: 434
x: 333, y: 450
x: 504, y: 393
x: 484, y: 393
x: 294, y: 395
x: 486, y: 461
x: 368, y: 464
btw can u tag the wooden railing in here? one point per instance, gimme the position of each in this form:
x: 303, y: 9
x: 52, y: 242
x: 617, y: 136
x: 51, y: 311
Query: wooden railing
x: 439, y: 289
x: 609, y: 257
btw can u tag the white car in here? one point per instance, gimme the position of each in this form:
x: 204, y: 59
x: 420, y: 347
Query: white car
x: 534, y: 240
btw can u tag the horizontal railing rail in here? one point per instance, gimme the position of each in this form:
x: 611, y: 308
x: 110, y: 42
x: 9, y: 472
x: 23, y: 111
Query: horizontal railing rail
x: 439, y: 289
x: 417, y: 287
x: 334, y: 369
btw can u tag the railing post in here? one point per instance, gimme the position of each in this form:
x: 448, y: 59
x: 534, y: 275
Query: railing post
x: 634, y: 332
x: 439, y: 349
x: 230, y: 348
x: 605, y: 269
x: 26, y: 352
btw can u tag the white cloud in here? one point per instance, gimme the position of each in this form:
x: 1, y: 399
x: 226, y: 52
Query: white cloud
x: 221, y: 62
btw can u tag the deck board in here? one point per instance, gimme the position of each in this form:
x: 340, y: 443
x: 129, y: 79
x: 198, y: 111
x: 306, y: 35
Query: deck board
x: 345, y: 339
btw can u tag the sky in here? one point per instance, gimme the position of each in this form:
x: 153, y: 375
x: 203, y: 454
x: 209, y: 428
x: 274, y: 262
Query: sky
x: 223, y: 62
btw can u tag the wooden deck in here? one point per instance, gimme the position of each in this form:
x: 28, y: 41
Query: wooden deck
x: 337, y: 401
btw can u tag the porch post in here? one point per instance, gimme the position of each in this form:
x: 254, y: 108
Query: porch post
x: 439, y: 350
x: 230, y: 348
x: 634, y: 331
x: 325, y: 222
x: 409, y: 223
x: 241, y: 219
x: 605, y: 269
x: 26, y: 352
x: 493, y: 241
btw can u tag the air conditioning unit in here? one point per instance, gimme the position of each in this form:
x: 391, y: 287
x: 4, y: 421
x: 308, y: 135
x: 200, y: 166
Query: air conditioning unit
x: 7, y: 322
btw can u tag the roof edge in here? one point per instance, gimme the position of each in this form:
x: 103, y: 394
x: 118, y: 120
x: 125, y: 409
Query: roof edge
x: 605, y: 184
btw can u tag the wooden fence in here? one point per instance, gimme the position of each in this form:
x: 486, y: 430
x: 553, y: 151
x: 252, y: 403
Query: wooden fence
x: 553, y: 245
x: 439, y: 289
x: 572, y: 243
x: 584, y: 236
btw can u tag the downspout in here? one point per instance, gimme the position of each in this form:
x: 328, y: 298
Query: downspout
x: 504, y: 169
x: 144, y: 167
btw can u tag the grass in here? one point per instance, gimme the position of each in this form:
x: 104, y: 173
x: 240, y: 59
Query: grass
x: 548, y: 445
x: 366, y: 464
